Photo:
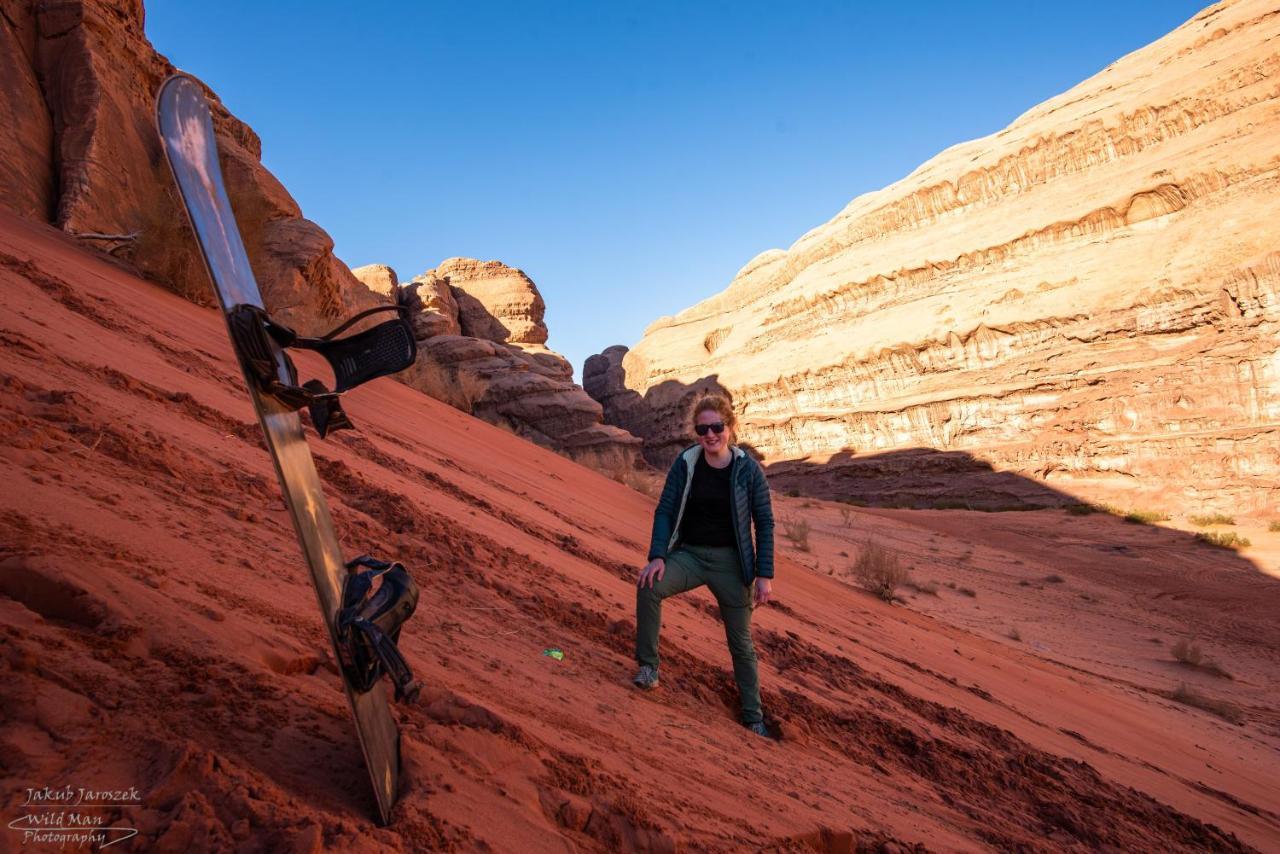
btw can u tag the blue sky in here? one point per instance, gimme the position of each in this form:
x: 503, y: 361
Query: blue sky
x: 630, y: 157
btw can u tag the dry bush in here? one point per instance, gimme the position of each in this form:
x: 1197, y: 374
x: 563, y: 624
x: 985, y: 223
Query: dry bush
x: 1227, y: 540
x: 646, y: 483
x: 1208, y: 519
x: 797, y: 531
x: 1187, y: 652
x: 1191, y: 697
x: 1145, y: 517
x: 928, y: 588
x: 1274, y: 527
x: 473, y: 389
x: 879, y: 571
x: 967, y: 591
x: 1081, y: 509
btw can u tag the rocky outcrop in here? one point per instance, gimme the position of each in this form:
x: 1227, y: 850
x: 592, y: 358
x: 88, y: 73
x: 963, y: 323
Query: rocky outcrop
x: 1090, y: 297
x: 26, y: 147
x: 482, y: 349
x: 85, y: 156
x: 495, y: 302
x: 379, y: 278
x: 661, y: 414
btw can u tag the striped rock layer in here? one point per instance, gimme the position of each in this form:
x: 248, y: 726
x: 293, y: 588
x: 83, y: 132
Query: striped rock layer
x: 1088, y: 300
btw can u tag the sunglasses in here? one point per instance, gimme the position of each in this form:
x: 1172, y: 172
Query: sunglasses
x: 717, y: 428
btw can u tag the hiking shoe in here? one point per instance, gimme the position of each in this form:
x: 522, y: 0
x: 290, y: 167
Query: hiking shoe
x: 760, y: 729
x: 647, y: 678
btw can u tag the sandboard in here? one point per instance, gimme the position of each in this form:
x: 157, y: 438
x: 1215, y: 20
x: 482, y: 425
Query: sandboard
x: 186, y: 133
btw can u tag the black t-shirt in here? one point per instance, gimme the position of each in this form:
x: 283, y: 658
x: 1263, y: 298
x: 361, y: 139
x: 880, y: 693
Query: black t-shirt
x: 708, y: 514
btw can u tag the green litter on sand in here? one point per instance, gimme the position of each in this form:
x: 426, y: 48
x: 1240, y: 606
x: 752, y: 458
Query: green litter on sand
x: 555, y: 652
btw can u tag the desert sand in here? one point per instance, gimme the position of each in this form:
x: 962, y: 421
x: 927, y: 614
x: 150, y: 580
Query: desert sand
x: 160, y: 633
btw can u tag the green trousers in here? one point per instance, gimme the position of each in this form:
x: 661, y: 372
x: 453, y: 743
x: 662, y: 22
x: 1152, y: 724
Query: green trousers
x: 693, y: 566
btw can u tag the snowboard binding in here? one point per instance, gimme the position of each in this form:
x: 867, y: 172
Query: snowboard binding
x: 380, y: 350
x: 368, y: 626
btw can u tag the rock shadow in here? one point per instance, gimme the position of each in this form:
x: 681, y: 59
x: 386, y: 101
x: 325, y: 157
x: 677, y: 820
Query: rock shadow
x: 928, y: 479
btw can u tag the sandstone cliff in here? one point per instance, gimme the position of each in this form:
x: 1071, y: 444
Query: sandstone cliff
x: 1089, y: 296
x: 482, y: 349
x: 77, y: 91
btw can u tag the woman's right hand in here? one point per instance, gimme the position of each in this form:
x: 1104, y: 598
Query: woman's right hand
x: 652, y: 572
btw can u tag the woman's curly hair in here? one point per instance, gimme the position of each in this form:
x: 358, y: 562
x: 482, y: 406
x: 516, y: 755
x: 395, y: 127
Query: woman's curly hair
x: 717, y: 404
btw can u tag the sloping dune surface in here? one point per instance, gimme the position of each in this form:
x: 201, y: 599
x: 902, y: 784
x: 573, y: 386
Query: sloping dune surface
x: 159, y: 632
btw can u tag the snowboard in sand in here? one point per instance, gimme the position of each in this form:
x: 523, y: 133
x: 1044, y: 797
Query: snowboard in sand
x: 186, y: 132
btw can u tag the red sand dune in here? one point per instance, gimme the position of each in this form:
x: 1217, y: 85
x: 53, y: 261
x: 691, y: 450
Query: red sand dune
x: 159, y: 632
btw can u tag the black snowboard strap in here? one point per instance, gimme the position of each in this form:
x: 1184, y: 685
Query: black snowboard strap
x: 376, y: 352
x: 369, y: 626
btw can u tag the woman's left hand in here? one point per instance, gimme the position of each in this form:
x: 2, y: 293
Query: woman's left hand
x: 764, y: 590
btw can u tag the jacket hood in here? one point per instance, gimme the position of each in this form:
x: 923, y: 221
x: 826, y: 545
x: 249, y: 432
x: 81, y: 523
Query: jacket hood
x: 690, y: 453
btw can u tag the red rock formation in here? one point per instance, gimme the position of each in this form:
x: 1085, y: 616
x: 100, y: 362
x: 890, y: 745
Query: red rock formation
x: 379, y: 278
x: 1090, y: 297
x: 26, y: 147
x: 89, y: 133
x: 81, y: 92
x: 482, y: 349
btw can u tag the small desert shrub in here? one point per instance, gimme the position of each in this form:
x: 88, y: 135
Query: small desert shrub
x: 879, y: 570
x: 1081, y: 509
x: 1208, y: 519
x: 643, y: 483
x: 797, y: 531
x: 473, y: 390
x: 1274, y: 527
x: 928, y: 588
x: 1055, y: 579
x: 1145, y: 517
x: 1227, y: 540
x: 1188, y: 652
x: 967, y: 591
x: 1191, y: 697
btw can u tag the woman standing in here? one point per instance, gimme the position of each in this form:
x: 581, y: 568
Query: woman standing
x: 714, y: 495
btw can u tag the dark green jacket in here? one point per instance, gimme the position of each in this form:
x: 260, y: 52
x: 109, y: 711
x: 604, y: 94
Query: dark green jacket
x: 750, y: 493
